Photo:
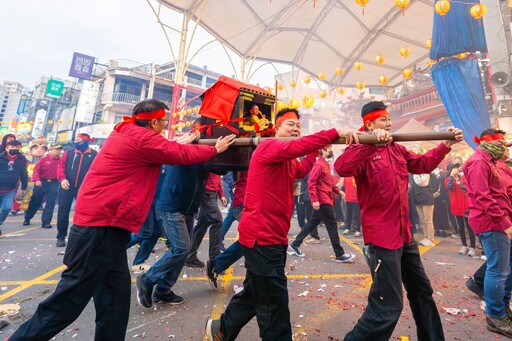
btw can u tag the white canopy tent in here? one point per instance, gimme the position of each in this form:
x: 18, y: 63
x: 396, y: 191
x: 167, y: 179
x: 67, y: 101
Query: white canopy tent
x: 319, y: 35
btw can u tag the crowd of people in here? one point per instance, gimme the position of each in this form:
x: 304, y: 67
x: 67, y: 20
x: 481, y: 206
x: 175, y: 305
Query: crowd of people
x: 165, y: 188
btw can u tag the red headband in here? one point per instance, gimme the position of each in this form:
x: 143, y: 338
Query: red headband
x: 141, y: 116
x: 85, y: 137
x: 490, y: 137
x: 372, y: 116
x: 286, y: 116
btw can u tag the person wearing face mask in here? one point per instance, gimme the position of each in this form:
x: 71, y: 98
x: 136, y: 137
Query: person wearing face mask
x: 490, y: 216
x: 13, y: 168
x: 46, y: 186
x: 321, y: 187
x: 73, y: 166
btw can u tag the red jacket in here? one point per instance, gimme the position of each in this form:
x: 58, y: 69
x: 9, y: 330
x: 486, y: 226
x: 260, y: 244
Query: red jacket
x: 382, y: 177
x: 458, y: 198
x: 214, y: 183
x: 321, y: 183
x: 350, y: 189
x: 120, y: 185
x: 46, y: 169
x: 269, y: 193
x: 239, y: 190
x: 489, y: 194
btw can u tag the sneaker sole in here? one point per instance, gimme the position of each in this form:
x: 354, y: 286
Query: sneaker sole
x: 293, y: 253
x: 498, y: 331
x: 350, y: 260
x: 167, y: 303
x: 209, y: 336
x: 138, y: 298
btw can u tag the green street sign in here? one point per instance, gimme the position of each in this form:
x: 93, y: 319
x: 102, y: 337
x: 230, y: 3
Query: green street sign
x: 54, y: 88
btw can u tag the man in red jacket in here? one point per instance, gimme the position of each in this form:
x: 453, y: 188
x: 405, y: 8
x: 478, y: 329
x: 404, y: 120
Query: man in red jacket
x: 264, y: 227
x: 490, y: 216
x: 113, y: 201
x: 321, y: 188
x: 381, y: 174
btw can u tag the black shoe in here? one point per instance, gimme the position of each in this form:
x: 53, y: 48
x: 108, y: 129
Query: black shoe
x: 144, y: 292
x: 213, y: 330
x: 14, y: 212
x: 170, y: 298
x: 60, y: 242
x: 345, y: 258
x: 294, y: 250
x: 475, y: 288
x: 194, y: 263
x: 210, y: 273
x: 26, y: 222
x: 46, y: 226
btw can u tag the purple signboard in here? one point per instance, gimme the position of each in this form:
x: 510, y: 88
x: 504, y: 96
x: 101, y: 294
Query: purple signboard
x: 82, y: 66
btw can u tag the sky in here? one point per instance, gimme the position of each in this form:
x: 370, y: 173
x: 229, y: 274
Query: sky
x: 38, y: 38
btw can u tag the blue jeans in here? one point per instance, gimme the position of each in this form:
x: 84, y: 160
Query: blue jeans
x: 6, y: 200
x: 148, y: 236
x: 498, y: 281
x: 166, y: 271
x: 233, y: 214
x: 227, y: 258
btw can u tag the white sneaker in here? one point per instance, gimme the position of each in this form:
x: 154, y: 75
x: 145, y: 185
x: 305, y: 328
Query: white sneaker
x: 463, y: 250
x: 424, y: 242
x: 430, y: 243
x: 471, y: 252
x: 346, y: 232
x: 140, y: 268
x: 357, y: 234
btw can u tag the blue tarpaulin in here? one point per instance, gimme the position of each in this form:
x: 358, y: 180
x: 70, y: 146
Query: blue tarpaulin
x: 459, y: 85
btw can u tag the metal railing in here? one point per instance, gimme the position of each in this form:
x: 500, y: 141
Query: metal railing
x: 123, y: 98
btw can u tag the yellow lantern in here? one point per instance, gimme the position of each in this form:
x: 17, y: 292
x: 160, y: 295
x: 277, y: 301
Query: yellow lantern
x: 50, y: 121
x: 322, y: 76
x: 407, y: 73
x: 187, y: 124
x: 307, y: 80
x: 402, y: 4
x: 280, y: 87
x: 340, y: 90
x: 383, y: 80
x: 3, y: 122
x: 428, y: 43
x: 269, y: 90
x: 31, y: 122
x: 69, y: 121
x: 340, y: 71
x: 477, y: 11
x: 280, y: 106
x: 189, y: 111
x: 308, y: 101
x: 293, y: 103
x: 405, y: 51
x: 174, y: 114
x: 379, y: 59
x: 362, y: 3
x: 59, y: 121
x: 196, y: 108
x: 173, y: 127
x: 442, y: 7
x: 293, y: 84
x: 462, y: 55
x: 322, y: 94
x: 358, y: 66
x: 360, y: 85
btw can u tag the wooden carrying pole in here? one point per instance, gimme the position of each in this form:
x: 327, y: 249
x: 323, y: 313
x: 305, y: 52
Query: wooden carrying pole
x: 364, y: 139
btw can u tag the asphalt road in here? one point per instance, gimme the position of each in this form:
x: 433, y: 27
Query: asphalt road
x: 326, y: 297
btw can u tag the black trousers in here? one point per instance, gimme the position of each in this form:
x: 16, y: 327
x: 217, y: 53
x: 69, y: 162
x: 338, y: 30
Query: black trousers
x: 265, y: 295
x: 48, y: 190
x: 209, y: 217
x: 97, y: 268
x: 353, y: 221
x: 462, y: 227
x: 479, y: 275
x: 325, y: 214
x: 391, y: 268
x: 66, y: 198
